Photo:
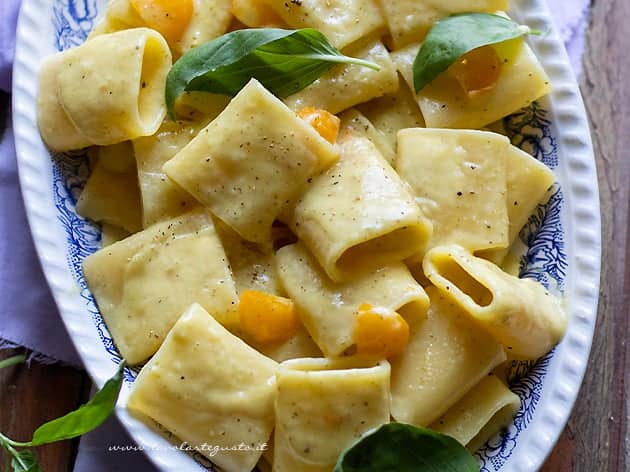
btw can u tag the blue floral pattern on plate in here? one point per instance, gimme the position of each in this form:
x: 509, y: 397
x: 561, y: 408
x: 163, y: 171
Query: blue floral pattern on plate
x: 545, y: 259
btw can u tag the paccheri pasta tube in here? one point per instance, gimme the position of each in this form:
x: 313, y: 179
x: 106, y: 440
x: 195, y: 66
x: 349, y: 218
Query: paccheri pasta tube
x: 446, y: 356
x: 488, y: 407
x: 359, y: 214
x: 208, y: 387
x: 410, y: 20
x: 329, y: 310
x: 342, y: 21
x: 105, y: 91
x: 445, y: 103
x: 459, y: 180
x: 323, y: 405
x: 144, y: 282
x: 519, y: 313
x: 251, y: 162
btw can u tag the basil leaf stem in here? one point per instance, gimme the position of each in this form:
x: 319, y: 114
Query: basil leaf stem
x: 406, y: 448
x: 25, y: 461
x: 456, y: 35
x: 83, y: 420
x: 13, y: 360
x: 284, y: 61
x: 21, y: 461
x: 86, y: 418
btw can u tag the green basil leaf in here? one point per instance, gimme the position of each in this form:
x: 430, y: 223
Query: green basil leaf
x: 456, y: 35
x: 25, y: 461
x: 398, y: 447
x: 284, y: 61
x: 86, y: 418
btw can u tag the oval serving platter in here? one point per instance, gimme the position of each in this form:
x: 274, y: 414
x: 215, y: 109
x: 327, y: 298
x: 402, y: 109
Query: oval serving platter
x: 562, y: 238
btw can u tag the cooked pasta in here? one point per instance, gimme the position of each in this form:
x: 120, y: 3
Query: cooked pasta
x: 328, y: 310
x: 359, y: 214
x: 410, y: 20
x: 445, y: 104
x: 323, y: 405
x: 520, y: 313
x: 110, y: 89
x: 219, y: 166
x: 447, y: 355
x: 144, y: 282
x: 209, y: 387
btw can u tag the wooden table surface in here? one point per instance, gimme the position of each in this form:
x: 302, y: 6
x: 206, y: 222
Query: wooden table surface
x: 596, y: 436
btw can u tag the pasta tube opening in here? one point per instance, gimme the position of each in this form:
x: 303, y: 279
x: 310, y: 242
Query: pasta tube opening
x: 521, y: 314
x: 480, y: 414
x: 459, y: 278
x: 106, y: 91
x: 382, y: 249
x: 322, y: 406
x: 501, y: 419
x: 151, y: 85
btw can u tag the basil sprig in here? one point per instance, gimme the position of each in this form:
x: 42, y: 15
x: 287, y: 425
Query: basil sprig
x: 284, y: 61
x: 405, y: 448
x: 25, y: 461
x: 456, y: 35
x: 76, y: 423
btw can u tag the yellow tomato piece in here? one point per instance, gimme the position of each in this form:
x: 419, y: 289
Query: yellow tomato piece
x: 325, y: 123
x: 168, y: 17
x: 255, y: 13
x: 267, y: 318
x: 380, y: 332
x: 478, y: 71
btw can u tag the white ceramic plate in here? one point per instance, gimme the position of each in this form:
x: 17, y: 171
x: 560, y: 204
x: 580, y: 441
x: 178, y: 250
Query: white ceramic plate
x: 563, y: 236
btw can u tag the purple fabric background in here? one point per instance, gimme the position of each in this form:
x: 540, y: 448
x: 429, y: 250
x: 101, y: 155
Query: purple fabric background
x: 28, y: 316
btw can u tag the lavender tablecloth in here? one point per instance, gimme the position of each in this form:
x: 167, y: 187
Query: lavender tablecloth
x: 28, y: 316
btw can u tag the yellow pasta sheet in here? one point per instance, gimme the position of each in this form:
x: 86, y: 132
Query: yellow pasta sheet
x: 519, y: 313
x: 210, y: 19
x: 459, y: 179
x: 111, y: 234
x: 341, y: 21
x: 447, y: 356
x: 411, y: 20
x: 359, y: 214
x: 251, y: 162
x: 297, y: 346
x: 393, y: 112
x: 252, y: 264
x: 256, y: 14
x: 445, y: 104
x: 253, y: 268
x: 110, y: 88
x: 347, y: 85
x: 328, y: 310
x: 143, y: 283
x: 357, y: 123
x: 209, y: 388
x: 480, y: 414
x: 162, y: 199
x: 528, y: 182
x: 58, y: 131
x: 111, y: 194
x: 322, y: 407
x: 200, y: 107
